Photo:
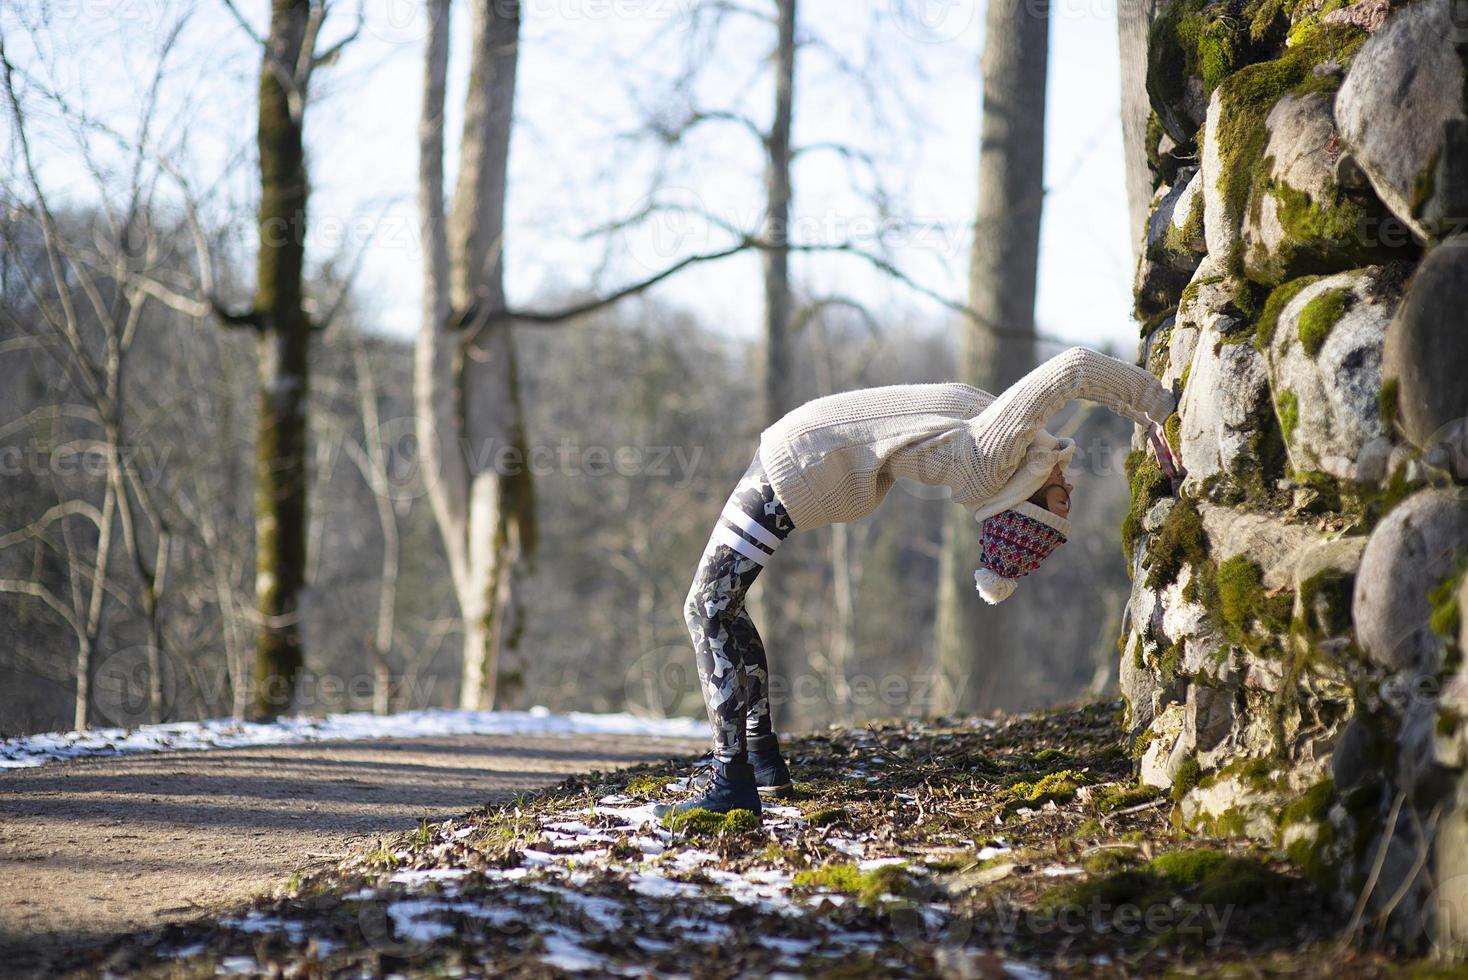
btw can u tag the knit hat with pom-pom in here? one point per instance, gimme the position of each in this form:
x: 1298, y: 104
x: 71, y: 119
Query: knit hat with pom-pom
x: 1013, y: 544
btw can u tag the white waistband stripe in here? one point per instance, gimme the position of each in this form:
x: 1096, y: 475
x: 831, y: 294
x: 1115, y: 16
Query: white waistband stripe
x: 742, y: 520
x: 728, y: 536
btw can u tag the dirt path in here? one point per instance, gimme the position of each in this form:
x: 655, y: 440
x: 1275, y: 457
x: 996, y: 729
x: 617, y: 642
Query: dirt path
x: 92, y: 848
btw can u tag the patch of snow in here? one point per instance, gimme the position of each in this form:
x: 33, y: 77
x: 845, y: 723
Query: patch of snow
x: 564, y: 953
x: 35, y: 750
x: 415, y: 878
x: 788, y: 945
x: 657, y: 886
x: 1061, y: 871
x: 182, y: 952
x: 848, y: 846
x: 701, y: 930
x: 768, y: 891
x: 257, y: 922
x: 871, y: 863
x: 1023, y: 971
x: 232, y: 965
x: 631, y: 817
x: 409, y: 922
x: 603, y: 912
x: 987, y: 852
x: 616, y: 799
x: 692, y: 858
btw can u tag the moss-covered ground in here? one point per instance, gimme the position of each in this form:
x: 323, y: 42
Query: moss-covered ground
x: 963, y: 847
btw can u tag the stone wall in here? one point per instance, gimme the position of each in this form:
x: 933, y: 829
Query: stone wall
x: 1292, y: 654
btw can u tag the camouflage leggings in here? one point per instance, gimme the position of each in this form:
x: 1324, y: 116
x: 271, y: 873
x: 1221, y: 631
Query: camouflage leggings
x: 731, y: 658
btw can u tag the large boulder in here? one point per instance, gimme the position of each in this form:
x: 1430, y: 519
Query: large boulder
x: 1175, y: 226
x: 1298, y: 218
x: 1276, y: 545
x: 1325, y: 369
x: 1425, y: 357
x: 1401, y: 114
x: 1411, y: 552
x: 1222, y: 218
x: 1228, y: 386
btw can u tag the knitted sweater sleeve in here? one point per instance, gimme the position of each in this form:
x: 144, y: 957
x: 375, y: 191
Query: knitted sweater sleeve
x: 1003, y: 431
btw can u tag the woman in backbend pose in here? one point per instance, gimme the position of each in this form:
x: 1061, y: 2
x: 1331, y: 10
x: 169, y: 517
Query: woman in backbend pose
x: 834, y: 459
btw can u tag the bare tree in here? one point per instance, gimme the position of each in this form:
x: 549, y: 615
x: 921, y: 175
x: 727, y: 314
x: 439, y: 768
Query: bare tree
x: 289, y: 57
x: 466, y: 386
x: 90, y: 306
x: 1002, y: 275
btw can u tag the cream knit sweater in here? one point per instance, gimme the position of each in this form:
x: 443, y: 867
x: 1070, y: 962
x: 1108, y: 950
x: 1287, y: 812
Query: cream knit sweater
x: 834, y: 459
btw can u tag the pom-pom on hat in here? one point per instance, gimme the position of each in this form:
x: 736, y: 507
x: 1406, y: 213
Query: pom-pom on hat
x: 1013, y: 544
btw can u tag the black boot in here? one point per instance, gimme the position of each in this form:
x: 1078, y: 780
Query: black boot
x: 770, y: 771
x: 731, y: 788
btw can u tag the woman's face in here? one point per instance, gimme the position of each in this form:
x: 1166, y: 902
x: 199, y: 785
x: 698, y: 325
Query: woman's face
x: 1056, y: 492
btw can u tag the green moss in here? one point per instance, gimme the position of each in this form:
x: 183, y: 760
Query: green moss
x: 1312, y: 852
x: 1191, y: 290
x: 1446, y: 617
x: 1264, y: 19
x: 1216, y: 878
x: 867, y: 886
x: 1320, y: 316
x: 1325, y: 599
x: 1059, y: 787
x: 1247, y: 96
x: 1139, y: 745
x: 1181, y: 239
x: 827, y: 815
x: 1171, y: 662
x: 1242, y: 599
x: 1108, y: 861
x: 648, y: 784
x: 1287, y: 404
x: 1199, y: 876
x: 1173, y: 429
x: 1181, y: 540
x: 1320, y: 235
x: 1123, y: 797
x: 1278, y: 299
x: 1311, y: 807
x: 1388, y: 403
x: 1048, y: 755
x: 1188, y: 774
x: 699, y: 822
x: 1148, y: 486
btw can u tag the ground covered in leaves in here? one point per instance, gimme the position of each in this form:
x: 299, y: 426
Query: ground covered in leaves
x: 1018, y: 847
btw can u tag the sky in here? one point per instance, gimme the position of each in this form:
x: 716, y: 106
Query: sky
x: 900, y: 84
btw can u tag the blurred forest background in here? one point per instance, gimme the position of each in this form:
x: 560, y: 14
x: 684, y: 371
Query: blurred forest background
x: 243, y: 476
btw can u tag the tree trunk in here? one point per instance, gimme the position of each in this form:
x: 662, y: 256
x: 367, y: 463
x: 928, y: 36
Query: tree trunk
x: 284, y: 340
x: 778, y: 389
x: 1133, y: 20
x: 773, y: 594
x: 1002, y: 275
x: 470, y: 421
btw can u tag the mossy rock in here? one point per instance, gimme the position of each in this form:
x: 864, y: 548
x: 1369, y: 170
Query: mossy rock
x: 1196, y: 877
x: 1236, y: 138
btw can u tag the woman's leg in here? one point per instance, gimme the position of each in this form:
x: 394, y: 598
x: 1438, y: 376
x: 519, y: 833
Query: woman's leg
x: 730, y: 656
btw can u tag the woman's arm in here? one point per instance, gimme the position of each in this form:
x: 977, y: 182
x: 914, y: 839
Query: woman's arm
x: 1003, y: 431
